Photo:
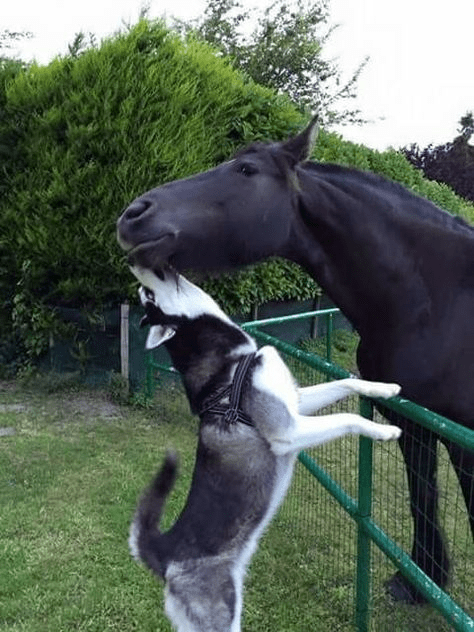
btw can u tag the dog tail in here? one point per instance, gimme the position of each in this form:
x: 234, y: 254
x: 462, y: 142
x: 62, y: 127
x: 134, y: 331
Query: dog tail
x: 145, y: 537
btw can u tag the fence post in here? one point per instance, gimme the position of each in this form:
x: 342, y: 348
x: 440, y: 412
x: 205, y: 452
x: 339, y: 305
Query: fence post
x: 124, y: 342
x: 360, y: 509
x: 149, y: 389
x: 329, y: 327
x: 364, y: 511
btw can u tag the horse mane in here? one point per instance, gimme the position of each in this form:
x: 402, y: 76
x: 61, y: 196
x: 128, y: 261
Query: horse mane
x: 349, y: 178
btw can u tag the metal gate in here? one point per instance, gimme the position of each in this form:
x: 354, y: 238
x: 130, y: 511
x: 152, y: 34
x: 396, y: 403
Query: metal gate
x: 375, y: 513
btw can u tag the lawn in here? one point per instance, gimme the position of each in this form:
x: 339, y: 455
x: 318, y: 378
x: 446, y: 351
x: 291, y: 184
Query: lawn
x: 72, y: 464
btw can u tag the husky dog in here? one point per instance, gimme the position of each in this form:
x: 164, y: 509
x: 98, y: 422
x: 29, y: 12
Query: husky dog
x: 253, y: 422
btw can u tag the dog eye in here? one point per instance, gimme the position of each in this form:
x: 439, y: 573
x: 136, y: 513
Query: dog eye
x: 149, y: 294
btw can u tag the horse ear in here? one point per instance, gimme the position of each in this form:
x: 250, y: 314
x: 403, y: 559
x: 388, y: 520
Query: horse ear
x: 302, y: 145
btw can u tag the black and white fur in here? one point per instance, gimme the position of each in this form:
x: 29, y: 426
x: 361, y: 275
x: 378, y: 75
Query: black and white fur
x: 242, y: 472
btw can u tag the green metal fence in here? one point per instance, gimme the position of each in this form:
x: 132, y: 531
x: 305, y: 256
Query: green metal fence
x: 371, y: 516
x: 152, y: 365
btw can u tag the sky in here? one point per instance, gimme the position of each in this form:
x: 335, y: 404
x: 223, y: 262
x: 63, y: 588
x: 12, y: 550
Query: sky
x: 418, y: 83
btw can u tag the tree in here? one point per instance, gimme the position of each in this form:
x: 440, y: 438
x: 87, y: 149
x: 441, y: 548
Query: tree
x: 451, y: 163
x: 6, y: 39
x: 284, y: 51
x: 467, y: 126
x: 9, y: 68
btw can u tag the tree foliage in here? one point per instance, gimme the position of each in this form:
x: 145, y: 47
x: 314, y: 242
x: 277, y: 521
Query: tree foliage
x: 451, y: 163
x: 7, y: 37
x: 86, y: 134
x: 285, y: 51
x: 81, y: 137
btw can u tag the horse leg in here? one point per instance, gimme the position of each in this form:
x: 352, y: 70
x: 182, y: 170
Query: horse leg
x: 463, y: 463
x: 419, y: 448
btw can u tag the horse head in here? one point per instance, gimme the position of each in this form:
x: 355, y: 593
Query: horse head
x: 237, y: 213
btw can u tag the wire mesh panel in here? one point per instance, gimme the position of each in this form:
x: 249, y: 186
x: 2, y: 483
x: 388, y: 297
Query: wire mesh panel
x: 322, y: 530
x: 326, y: 552
x: 319, y: 572
x: 391, y: 511
x: 390, y: 518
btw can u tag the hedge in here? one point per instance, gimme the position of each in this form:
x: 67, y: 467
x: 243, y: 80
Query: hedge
x: 83, y: 136
x: 93, y: 132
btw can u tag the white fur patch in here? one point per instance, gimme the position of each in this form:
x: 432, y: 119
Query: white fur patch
x: 274, y: 377
x: 176, y: 613
x: 133, y: 541
x: 177, y: 296
x: 245, y: 348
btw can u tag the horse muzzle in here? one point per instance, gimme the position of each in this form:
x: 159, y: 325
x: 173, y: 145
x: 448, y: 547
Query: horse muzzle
x: 146, y: 244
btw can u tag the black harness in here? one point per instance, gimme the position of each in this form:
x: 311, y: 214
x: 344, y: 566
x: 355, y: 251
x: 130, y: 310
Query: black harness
x: 231, y: 412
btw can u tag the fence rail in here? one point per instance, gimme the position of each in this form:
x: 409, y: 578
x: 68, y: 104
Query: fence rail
x: 360, y: 508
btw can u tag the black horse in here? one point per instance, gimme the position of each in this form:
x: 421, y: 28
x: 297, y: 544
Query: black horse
x: 400, y: 269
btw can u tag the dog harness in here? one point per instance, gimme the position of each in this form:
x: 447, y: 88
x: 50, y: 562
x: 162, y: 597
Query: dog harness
x: 231, y: 412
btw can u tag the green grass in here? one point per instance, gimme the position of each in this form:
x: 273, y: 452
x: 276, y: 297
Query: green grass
x: 69, y: 481
x: 343, y: 350
x: 69, y: 484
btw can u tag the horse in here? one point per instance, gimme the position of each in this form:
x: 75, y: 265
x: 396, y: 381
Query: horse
x: 399, y: 268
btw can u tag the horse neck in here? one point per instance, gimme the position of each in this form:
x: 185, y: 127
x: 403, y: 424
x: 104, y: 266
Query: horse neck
x: 357, y: 242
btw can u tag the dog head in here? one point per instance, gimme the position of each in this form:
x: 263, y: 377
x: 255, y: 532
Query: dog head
x: 169, y: 301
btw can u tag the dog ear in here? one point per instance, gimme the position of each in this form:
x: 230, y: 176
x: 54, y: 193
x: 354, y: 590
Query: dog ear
x: 159, y: 334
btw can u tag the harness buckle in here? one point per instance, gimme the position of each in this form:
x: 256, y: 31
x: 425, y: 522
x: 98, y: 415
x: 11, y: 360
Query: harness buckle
x: 231, y: 416
x: 231, y: 412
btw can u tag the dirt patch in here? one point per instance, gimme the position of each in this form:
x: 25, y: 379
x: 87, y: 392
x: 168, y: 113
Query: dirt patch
x: 12, y: 408
x: 7, y: 386
x: 70, y: 402
x: 89, y: 404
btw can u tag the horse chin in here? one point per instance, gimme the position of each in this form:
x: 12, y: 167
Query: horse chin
x: 153, y: 255
x: 165, y: 254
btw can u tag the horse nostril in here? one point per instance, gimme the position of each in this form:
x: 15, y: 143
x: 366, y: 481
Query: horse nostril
x: 136, y: 209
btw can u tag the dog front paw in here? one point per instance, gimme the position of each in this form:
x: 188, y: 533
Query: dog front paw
x: 382, y: 389
x: 387, y: 433
x: 391, y: 390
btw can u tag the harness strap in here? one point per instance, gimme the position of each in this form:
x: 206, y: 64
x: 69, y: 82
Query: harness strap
x: 231, y: 411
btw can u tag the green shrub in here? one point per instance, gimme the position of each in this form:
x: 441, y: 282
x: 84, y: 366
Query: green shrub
x: 94, y: 131
x: 391, y: 164
x: 82, y: 137
x: 276, y: 279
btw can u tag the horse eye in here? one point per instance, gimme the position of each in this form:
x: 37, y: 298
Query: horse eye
x: 248, y: 170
